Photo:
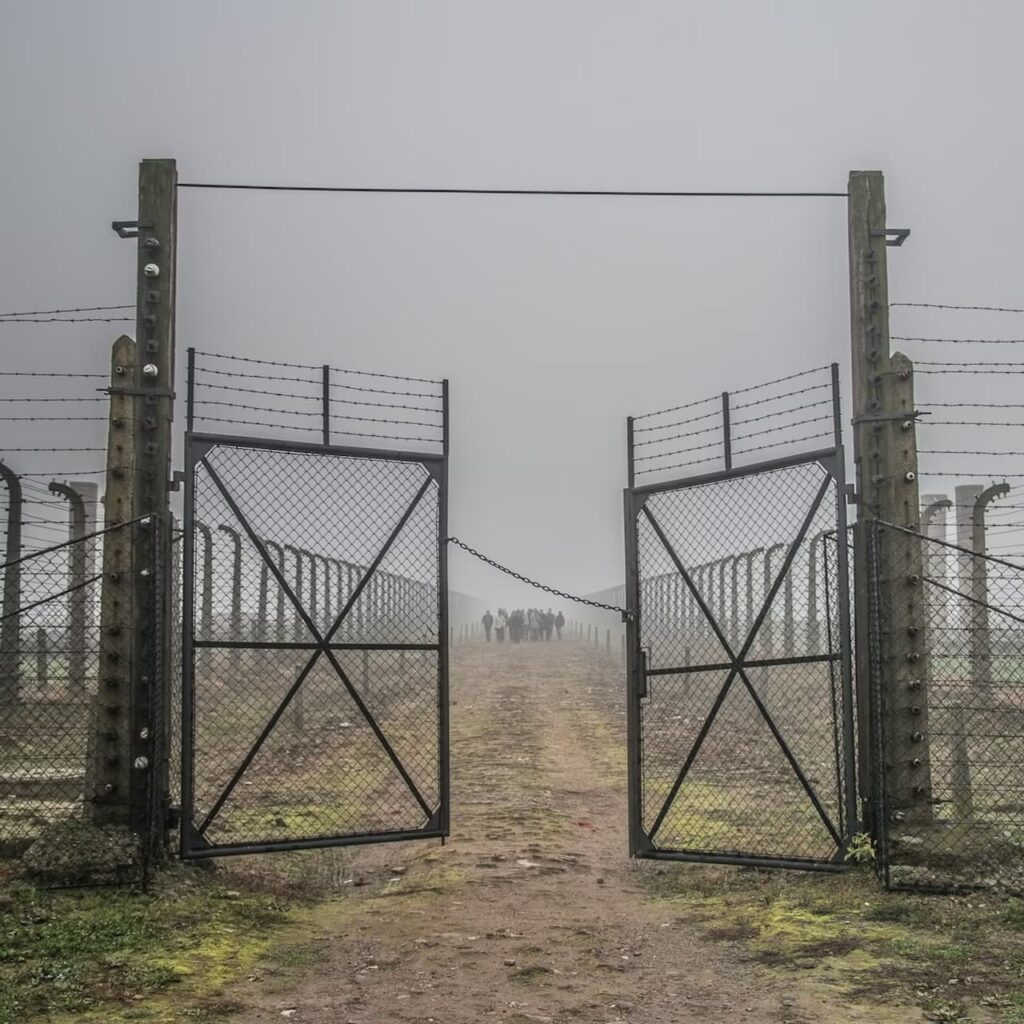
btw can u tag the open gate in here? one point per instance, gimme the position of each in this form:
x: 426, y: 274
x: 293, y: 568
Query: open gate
x: 315, y: 659
x: 740, y: 717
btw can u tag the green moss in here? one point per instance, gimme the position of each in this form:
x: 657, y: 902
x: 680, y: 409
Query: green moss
x: 91, y: 954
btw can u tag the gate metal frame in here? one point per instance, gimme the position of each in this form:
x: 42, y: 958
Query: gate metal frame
x: 832, y: 461
x: 193, y: 844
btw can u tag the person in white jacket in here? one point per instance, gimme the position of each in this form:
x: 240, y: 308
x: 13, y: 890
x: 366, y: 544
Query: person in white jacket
x: 500, y: 625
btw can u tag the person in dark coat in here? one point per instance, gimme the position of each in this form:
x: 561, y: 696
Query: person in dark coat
x: 488, y: 621
x: 559, y: 623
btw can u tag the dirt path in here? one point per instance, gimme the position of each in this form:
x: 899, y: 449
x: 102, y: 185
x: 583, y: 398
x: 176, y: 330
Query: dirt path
x: 533, y: 911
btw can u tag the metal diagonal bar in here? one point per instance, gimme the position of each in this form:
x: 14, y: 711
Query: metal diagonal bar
x: 382, y: 554
x: 736, y: 660
x: 381, y: 738
x: 765, y: 714
x: 694, y: 751
x: 322, y: 641
x: 788, y: 754
x: 803, y: 659
x: 255, y: 748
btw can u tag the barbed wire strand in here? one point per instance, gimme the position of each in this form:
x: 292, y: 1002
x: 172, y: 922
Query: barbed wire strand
x: 940, y: 305
x: 70, y: 309
x: 308, y: 366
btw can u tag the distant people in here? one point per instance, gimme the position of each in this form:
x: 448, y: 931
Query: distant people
x: 500, y: 625
x: 559, y: 623
x: 516, y: 626
x: 534, y: 624
x: 547, y: 621
x: 488, y: 621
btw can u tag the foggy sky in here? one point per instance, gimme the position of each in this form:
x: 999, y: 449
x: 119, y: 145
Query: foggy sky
x: 553, y: 318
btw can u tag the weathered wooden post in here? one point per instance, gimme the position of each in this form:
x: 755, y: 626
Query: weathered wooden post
x: 885, y: 456
x: 10, y: 625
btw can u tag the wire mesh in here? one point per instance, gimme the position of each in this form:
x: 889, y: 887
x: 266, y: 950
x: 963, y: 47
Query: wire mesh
x: 49, y: 682
x: 743, y: 738
x: 970, y: 691
x: 316, y: 689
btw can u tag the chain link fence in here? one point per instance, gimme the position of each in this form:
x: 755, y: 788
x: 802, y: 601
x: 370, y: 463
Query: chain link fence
x: 50, y: 685
x: 965, y: 721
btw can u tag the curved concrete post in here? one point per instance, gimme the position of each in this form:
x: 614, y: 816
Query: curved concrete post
x: 734, y: 614
x: 817, y: 554
x: 77, y: 612
x: 10, y: 625
x: 273, y: 546
x: 750, y: 558
x: 236, y: 581
x: 311, y: 611
x: 206, y: 590
x: 769, y: 624
x: 981, y: 639
x: 297, y: 554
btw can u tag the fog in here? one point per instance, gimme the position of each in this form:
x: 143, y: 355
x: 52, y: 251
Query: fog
x: 553, y: 317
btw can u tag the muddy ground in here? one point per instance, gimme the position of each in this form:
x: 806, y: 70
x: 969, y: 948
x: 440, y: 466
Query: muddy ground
x: 534, y: 912
x: 531, y: 912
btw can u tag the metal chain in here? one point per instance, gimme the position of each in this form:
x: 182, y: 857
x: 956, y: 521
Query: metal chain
x: 533, y: 583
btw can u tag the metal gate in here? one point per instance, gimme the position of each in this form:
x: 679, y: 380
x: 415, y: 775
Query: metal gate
x: 740, y: 717
x: 315, y: 659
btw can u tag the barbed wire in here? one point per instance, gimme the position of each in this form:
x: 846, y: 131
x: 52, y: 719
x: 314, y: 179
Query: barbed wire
x: 385, y: 391
x: 67, y: 320
x: 961, y: 341
x: 939, y: 305
x: 940, y: 362
x: 970, y: 405
x: 739, y: 391
x: 66, y: 398
x: 70, y: 309
x: 964, y: 451
x: 534, y: 583
x: 307, y: 366
x: 33, y: 373
x: 291, y: 426
x: 316, y: 398
x: 53, y: 419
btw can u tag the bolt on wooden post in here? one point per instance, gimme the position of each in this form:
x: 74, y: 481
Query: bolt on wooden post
x: 885, y: 454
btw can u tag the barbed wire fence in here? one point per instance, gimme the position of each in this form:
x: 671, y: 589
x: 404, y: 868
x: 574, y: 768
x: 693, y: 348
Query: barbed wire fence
x: 970, y: 425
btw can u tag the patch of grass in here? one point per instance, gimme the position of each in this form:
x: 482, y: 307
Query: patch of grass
x: 946, y: 955
x: 91, y: 953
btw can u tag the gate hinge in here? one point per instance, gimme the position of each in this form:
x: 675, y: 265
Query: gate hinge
x: 852, y: 497
x: 177, y: 479
x: 173, y: 820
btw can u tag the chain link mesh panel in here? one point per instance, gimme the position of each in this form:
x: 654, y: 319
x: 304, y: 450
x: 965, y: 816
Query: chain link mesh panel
x: 49, y: 680
x: 315, y: 692
x: 744, y: 729
x: 970, y: 692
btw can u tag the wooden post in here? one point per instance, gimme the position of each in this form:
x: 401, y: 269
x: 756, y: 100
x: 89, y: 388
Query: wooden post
x: 108, y: 769
x: 885, y: 457
x: 150, y: 707
x: 10, y: 626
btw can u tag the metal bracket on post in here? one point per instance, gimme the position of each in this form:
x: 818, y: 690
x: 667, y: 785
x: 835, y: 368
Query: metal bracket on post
x: 893, y: 236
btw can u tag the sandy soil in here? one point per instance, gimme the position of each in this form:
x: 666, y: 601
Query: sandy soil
x: 533, y: 910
